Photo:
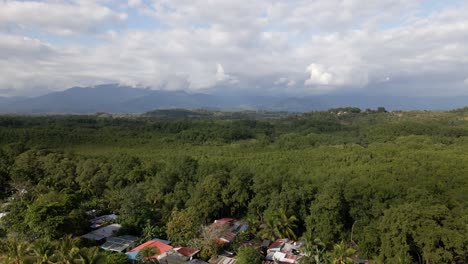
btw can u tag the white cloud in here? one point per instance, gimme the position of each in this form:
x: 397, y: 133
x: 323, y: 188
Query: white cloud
x: 220, y: 75
x: 466, y: 82
x: 351, y: 44
x: 319, y: 75
x: 60, y: 17
x: 134, y: 3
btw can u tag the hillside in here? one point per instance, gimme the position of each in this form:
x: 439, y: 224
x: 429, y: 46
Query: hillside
x: 114, y: 98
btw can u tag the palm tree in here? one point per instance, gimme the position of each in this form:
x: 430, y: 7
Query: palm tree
x: 269, y: 228
x: 278, y: 225
x: 66, y: 250
x: 90, y: 255
x: 341, y: 254
x: 151, y: 231
x: 43, y: 251
x: 15, y: 251
x: 146, y: 253
x: 286, y: 224
x: 314, y: 252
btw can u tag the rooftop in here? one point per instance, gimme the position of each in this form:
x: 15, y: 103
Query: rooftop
x: 103, y: 232
x: 119, y: 244
x: 156, y: 243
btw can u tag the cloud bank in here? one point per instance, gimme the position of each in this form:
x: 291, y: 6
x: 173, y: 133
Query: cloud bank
x: 405, y: 47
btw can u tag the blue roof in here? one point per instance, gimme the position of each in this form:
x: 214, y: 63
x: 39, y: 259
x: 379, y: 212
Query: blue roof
x: 133, y: 255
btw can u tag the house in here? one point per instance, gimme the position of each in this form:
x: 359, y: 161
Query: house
x: 232, y: 226
x: 187, y: 252
x: 102, y: 220
x: 292, y: 247
x: 284, y: 251
x: 120, y: 243
x: 222, y: 260
x: 196, y: 261
x: 277, y: 245
x: 178, y: 255
x: 161, y: 245
x: 102, y: 233
x: 285, y: 258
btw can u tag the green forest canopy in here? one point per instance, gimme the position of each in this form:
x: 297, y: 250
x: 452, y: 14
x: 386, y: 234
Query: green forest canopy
x: 398, y: 181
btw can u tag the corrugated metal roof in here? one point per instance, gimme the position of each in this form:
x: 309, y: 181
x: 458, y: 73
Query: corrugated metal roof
x: 120, y: 243
x: 101, y: 220
x: 277, y: 244
x: 186, y: 251
x: 223, y: 260
x: 103, y: 232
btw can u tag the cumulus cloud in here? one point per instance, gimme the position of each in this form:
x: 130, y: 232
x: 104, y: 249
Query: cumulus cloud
x: 319, y: 75
x: 181, y: 45
x: 58, y: 17
x: 336, y: 75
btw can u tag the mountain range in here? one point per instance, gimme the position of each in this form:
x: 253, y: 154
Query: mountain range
x: 114, y: 98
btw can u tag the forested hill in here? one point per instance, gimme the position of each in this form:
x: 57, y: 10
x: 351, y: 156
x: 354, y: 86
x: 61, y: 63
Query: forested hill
x: 116, y: 98
x: 397, y: 182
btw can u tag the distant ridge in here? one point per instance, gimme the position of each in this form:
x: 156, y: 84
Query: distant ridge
x: 114, y: 98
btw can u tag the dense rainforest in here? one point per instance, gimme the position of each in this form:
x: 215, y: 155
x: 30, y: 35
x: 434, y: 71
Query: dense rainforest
x: 393, y: 185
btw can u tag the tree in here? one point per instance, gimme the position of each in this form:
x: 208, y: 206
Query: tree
x: 146, y: 254
x: 4, y: 174
x: 205, y: 199
x: 151, y: 231
x: 249, y: 255
x: 315, y: 252
x: 286, y: 224
x: 67, y: 250
x: 269, y: 227
x: 329, y: 216
x: 209, y: 243
x: 341, y: 254
x: 277, y: 225
x: 238, y: 192
x: 43, y: 251
x: 182, y: 227
x: 91, y: 255
x: 15, y: 251
x: 27, y: 168
x: 381, y: 109
x: 430, y: 234
x: 50, y: 215
x: 134, y: 210
x: 116, y: 258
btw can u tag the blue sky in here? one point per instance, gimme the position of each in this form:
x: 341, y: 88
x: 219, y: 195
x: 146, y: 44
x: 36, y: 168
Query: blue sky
x: 297, y: 47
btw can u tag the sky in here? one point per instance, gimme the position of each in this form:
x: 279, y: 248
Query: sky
x: 283, y: 47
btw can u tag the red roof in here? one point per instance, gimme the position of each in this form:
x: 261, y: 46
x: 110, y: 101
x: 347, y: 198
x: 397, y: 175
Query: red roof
x: 188, y: 252
x: 156, y: 244
x: 278, y: 243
